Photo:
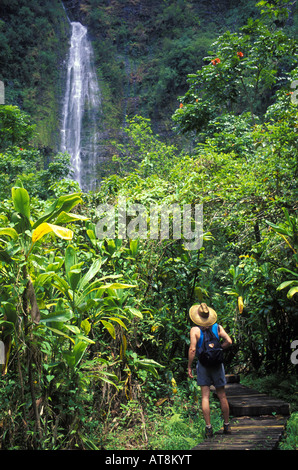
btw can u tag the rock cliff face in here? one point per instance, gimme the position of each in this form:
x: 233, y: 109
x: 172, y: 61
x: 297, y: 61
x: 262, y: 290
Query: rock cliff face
x: 145, y: 49
x: 143, y: 52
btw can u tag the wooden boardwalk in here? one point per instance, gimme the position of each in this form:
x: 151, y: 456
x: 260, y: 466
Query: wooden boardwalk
x: 257, y: 420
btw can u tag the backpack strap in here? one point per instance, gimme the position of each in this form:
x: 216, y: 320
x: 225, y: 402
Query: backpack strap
x: 199, y: 343
x: 214, y: 330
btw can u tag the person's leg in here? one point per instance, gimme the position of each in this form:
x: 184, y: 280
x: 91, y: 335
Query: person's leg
x: 223, y: 403
x: 205, y: 389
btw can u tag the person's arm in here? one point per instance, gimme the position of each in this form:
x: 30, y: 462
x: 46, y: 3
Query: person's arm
x: 194, y: 337
x: 224, y: 335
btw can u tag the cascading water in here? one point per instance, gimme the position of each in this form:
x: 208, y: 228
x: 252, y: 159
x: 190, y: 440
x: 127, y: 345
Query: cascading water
x: 79, y: 133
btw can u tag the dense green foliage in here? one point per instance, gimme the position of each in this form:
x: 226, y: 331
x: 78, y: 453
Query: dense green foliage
x: 33, y: 37
x: 145, y: 49
x: 21, y: 161
x: 96, y: 331
x: 143, y: 53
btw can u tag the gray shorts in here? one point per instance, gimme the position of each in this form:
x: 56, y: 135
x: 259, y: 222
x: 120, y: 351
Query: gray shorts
x: 211, y: 375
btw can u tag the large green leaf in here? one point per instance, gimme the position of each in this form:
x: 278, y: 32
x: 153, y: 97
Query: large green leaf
x: 285, y: 284
x: 9, y: 232
x: 58, y: 332
x: 62, y: 316
x: 21, y: 201
x: 95, y: 267
x: 72, y: 267
x: 74, y: 275
x: 109, y: 327
x: 70, y: 258
x: 134, y: 247
x: 115, y: 285
x: 135, y: 312
x: 43, y: 278
x: 63, y: 204
x: 86, y: 326
x: 74, y: 357
x: 45, y: 228
x: 292, y: 292
x: 66, y: 217
x: 79, y: 350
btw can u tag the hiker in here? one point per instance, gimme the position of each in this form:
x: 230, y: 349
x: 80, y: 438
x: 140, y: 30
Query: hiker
x: 205, y: 317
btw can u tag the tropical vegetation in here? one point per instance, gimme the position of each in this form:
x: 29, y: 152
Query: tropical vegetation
x: 96, y: 330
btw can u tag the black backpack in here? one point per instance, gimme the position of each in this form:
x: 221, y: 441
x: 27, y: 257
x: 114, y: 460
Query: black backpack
x: 210, y: 352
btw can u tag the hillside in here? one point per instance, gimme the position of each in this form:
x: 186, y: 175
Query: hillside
x: 96, y: 286
x: 143, y: 52
x: 145, y: 49
x: 34, y: 42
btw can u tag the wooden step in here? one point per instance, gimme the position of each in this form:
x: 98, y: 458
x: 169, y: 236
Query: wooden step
x: 258, y: 420
x: 245, y: 401
x: 248, y: 433
x: 232, y: 378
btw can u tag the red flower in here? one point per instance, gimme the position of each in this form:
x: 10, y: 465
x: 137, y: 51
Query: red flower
x: 181, y: 105
x: 21, y: 148
x: 240, y: 54
x: 215, y: 61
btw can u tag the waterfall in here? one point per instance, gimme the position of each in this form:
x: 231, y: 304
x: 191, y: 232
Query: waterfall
x: 80, y: 115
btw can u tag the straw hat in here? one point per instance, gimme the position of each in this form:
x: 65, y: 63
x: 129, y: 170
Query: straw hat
x: 202, y: 315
